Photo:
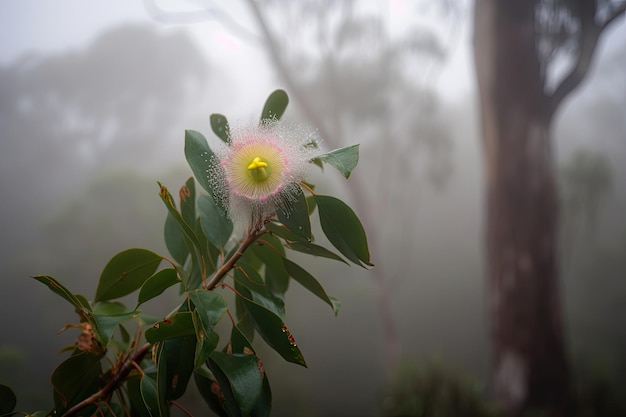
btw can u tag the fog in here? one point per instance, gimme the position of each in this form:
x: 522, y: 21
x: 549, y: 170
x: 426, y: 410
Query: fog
x: 89, y: 123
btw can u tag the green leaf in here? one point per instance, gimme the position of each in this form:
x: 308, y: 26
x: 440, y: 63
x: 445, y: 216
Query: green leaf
x: 205, y: 342
x: 75, y: 379
x: 343, y: 229
x: 175, y: 240
x: 104, y: 325
x: 282, y: 231
x: 191, y: 240
x: 8, y: 400
x: 344, y: 159
x: 187, y: 196
x: 216, y: 226
x: 126, y: 272
x: 133, y: 389
x: 149, y: 395
x: 220, y: 127
x: 171, y: 208
x: 175, y: 364
x: 311, y: 203
x: 274, y: 332
x: 109, y: 308
x: 296, y: 218
x: 275, y: 105
x: 179, y: 325
x: 309, y: 282
x: 209, y: 309
x: 270, y: 251
x: 240, y: 374
x: 157, y: 283
x: 263, y: 406
x: 238, y: 341
x: 81, y: 305
x: 210, y: 251
x: 211, y: 392
x: 210, y: 306
x: 249, y: 282
x: 314, y: 250
x: 199, y: 156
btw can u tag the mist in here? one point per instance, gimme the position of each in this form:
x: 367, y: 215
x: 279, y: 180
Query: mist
x: 86, y: 132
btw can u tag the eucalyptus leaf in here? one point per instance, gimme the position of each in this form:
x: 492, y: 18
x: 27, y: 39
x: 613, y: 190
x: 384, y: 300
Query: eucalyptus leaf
x: 75, y: 378
x: 314, y: 250
x: 187, y: 196
x: 59, y: 289
x: 309, y: 282
x: 242, y: 377
x: 249, y: 282
x: 179, y: 325
x: 275, y: 105
x: 282, y: 231
x: 344, y: 159
x: 272, y: 329
x: 296, y: 217
x: 104, y: 325
x: 149, y: 395
x: 175, y: 240
x: 216, y: 226
x: 199, y: 157
x: 125, y: 273
x: 212, y: 394
x: 219, y: 125
x: 343, y: 229
x: 8, y: 400
x: 209, y: 308
x: 192, y: 241
x: 156, y: 284
x: 206, y: 342
x: 175, y: 364
x: 270, y: 251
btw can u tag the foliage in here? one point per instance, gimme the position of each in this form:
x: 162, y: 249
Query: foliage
x: 126, y: 362
x: 433, y: 389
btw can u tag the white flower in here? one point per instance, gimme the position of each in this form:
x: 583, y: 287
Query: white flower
x: 259, y: 171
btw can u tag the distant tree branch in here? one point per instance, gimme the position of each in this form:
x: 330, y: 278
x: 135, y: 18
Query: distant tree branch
x: 294, y: 90
x: 617, y: 12
x: 590, y: 33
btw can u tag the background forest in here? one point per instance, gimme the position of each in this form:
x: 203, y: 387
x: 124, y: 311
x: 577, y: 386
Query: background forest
x: 86, y: 130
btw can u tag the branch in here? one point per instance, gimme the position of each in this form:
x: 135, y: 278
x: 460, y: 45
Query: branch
x: 228, y: 265
x: 292, y: 86
x: 590, y: 34
x: 113, y: 384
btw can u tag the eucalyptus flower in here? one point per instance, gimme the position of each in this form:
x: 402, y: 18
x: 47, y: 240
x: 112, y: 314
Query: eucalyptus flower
x: 258, y: 172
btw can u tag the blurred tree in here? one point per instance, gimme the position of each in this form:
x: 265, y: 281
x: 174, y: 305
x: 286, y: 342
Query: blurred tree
x: 66, y: 121
x: 352, y: 76
x: 529, y: 56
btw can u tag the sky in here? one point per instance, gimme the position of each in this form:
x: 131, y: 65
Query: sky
x: 32, y: 26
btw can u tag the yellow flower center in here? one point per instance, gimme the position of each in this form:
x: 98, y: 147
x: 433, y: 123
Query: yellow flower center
x: 259, y: 170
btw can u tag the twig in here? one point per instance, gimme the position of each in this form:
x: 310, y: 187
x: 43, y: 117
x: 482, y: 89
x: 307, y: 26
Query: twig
x: 114, y: 383
x: 230, y: 263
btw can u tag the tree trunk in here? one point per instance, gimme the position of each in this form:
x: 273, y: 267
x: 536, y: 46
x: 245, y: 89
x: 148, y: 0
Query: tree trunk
x: 529, y: 366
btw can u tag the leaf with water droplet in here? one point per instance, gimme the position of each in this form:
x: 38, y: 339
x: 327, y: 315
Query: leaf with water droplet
x: 196, y: 152
x: 296, y: 217
x: 220, y: 126
x: 275, y: 105
x: 344, y: 159
x: 270, y: 327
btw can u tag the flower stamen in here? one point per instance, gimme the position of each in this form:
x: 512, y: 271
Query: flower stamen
x: 259, y: 170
